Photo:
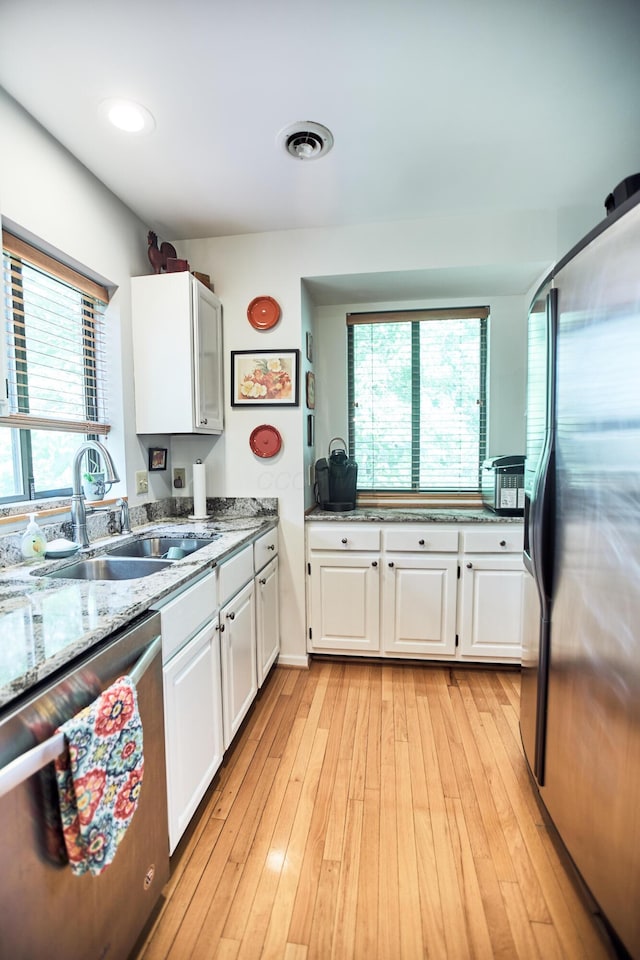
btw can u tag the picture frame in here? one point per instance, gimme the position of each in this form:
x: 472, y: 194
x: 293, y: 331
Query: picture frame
x: 265, y: 378
x: 310, y: 430
x: 157, y: 458
x: 311, y: 390
x: 309, y: 347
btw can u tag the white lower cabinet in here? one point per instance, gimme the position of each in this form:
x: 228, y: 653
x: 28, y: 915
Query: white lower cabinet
x: 267, y: 619
x: 193, y: 726
x: 238, y: 650
x: 192, y: 698
x: 419, y: 601
x: 491, y: 597
x: 405, y: 590
x: 344, y: 600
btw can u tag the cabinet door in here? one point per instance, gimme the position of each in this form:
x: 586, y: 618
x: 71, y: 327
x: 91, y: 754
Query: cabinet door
x: 193, y: 726
x: 268, y: 619
x: 419, y: 604
x: 239, y: 674
x: 491, y: 597
x: 207, y: 332
x: 345, y: 603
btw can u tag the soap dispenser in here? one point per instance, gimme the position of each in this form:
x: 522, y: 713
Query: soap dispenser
x: 34, y: 543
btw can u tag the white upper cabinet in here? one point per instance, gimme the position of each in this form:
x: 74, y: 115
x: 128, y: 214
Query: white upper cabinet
x: 177, y: 345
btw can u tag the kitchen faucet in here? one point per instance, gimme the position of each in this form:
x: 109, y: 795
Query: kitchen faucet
x: 79, y: 508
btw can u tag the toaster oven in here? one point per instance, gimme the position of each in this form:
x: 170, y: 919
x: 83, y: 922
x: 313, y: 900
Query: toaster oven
x: 503, y: 485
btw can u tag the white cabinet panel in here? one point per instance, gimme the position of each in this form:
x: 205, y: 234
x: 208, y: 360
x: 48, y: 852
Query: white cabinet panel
x: 239, y: 673
x: 344, y: 599
x: 419, y: 600
x: 491, y: 597
x: 193, y: 726
x: 267, y: 619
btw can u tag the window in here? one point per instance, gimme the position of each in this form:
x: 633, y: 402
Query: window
x: 416, y: 384
x: 53, y: 353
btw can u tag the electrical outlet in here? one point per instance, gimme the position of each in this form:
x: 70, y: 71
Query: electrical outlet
x: 142, y: 481
x: 179, y: 478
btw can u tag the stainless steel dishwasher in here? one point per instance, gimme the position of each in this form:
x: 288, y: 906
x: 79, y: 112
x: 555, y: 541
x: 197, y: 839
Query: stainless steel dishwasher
x: 46, y: 911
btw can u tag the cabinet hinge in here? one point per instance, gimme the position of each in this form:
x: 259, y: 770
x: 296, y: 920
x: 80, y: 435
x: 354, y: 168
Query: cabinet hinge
x: 309, y: 569
x: 310, y: 633
x: 456, y: 639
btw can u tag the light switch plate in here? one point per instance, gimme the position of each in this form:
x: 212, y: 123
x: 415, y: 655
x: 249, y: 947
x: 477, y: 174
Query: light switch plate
x: 142, y: 481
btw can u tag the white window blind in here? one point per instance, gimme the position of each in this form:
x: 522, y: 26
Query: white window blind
x: 54, y: 344
x: 417, y: 399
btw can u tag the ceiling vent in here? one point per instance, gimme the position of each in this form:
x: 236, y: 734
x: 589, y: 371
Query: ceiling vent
x: 306, y: 140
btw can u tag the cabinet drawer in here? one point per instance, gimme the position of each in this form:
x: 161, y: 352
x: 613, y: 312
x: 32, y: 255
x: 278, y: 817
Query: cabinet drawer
x: 344, y: 537
x: 493, y: 539
x: 181, y: 616
x: 265, y: 548
x: 421, y: 540
x: 234, y: 573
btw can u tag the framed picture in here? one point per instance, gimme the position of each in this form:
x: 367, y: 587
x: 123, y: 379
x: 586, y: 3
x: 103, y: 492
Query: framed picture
x: 311, y: 390
x: 157, y: 458
x: 310, y: 347
x: 265, y: 378
x: 310, y: 430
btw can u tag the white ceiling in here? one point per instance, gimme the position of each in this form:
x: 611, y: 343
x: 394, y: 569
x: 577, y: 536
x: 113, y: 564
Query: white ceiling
x: 436, y: 106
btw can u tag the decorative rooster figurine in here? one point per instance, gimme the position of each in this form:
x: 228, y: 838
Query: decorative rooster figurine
x: 158, y: 258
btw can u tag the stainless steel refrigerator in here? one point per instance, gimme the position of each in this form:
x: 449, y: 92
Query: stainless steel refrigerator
x: 580, y: 708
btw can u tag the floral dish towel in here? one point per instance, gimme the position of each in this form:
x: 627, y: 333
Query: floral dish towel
x: 99, y: 776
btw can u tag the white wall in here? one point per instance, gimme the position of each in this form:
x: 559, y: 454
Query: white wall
x: 54, y: 200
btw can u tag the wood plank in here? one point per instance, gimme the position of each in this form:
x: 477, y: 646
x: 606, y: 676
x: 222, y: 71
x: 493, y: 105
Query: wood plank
x: 423, y: 802
x: 287, y: 885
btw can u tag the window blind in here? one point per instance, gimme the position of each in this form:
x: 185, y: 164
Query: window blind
x: 417, y: 399
x: 54, y: 342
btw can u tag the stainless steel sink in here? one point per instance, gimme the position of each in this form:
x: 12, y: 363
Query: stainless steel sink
x: 173, y: 548
x: 110, y: 568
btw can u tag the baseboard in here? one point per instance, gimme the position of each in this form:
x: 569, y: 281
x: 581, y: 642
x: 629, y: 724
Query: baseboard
x: 300, y: 661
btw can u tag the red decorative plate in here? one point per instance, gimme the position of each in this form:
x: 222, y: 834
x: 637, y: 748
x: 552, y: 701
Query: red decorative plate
x: 265, y: 441
x: 263, y: 313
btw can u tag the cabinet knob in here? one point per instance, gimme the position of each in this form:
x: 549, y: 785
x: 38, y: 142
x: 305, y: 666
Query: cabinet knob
x: 204, y: 421
x: 391, y: 563
x: 271, y: 546
x: 374, y: 563
x: 262, y: 581
x: 421, y: 543
x: 231, y: 616
x: 469, y: 565
x: 344, y: 540
x: 221, y: 628
x: 503, y: 543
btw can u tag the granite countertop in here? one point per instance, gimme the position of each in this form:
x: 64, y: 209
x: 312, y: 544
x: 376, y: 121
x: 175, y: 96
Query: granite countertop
x: 45, y: 624
x: 412, y: 515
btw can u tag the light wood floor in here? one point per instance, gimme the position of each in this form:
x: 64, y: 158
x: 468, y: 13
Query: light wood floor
x: 374, y: 811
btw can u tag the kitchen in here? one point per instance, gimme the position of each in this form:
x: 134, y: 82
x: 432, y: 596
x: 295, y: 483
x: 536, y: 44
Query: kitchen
x: 495, y: 255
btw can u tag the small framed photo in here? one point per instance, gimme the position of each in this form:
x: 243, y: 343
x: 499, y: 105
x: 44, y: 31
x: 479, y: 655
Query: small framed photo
x: 311, y: 390
x: 265, y: 378
x: 157, y: 458
x: 310, y: 347
x: 310, y: 430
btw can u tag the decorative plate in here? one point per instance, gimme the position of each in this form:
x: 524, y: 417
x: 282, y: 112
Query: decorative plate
x: 265, y: 441
x: 263, y: 313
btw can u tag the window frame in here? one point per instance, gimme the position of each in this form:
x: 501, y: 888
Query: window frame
x: 94, y: 297
x: 416, y: 317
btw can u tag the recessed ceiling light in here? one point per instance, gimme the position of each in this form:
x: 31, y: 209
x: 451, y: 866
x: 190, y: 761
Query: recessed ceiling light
x: 127, y: 115
x: 306, y: 140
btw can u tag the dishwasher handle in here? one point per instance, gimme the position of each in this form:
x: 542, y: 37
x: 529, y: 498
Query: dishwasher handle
x: 24, y: 766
